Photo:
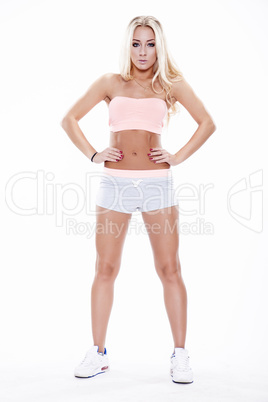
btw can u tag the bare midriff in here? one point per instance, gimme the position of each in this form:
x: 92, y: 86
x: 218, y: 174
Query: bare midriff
x: 135, y: 145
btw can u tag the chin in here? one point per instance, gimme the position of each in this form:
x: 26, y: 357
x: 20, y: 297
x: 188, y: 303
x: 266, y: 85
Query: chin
x: 143, y: 66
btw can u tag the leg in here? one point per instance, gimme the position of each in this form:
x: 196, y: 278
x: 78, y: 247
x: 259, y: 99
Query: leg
x: 162, y: 227
x: 111, y: 231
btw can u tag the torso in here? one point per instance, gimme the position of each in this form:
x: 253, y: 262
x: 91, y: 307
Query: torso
x: 135, y: 144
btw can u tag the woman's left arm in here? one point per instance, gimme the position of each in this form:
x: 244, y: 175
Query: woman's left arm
x: 184, y: 94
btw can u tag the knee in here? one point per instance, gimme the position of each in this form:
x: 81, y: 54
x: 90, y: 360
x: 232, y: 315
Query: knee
x: 169, y: 270
x: 106, y: 270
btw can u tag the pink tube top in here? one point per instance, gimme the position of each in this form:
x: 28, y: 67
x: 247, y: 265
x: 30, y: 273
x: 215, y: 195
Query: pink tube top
x: 137, y: 114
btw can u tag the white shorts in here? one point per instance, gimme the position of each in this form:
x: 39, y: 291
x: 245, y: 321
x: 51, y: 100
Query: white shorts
x: 129, y: 191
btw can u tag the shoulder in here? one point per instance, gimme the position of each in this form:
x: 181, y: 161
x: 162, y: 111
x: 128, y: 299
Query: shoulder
x: 108, y: 82
x: 182, y: 91
x: 109, y: 78
x: 184, y: 94
x: 179, y: 88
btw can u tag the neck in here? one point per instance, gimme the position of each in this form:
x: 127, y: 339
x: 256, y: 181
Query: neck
x: 142, y: 75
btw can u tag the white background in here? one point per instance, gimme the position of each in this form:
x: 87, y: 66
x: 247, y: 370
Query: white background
x: 51, y: 51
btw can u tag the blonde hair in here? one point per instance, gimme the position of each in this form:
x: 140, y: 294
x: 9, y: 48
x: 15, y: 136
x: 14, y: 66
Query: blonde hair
x: 165, y: 67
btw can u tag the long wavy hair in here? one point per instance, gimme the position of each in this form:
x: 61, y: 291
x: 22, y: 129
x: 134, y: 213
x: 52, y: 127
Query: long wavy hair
x: 165, y: 68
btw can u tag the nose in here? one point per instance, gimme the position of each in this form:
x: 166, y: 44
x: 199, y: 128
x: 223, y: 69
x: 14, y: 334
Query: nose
x: 143, y: 50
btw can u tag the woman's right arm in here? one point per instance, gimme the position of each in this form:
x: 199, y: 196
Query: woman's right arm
x: 96, y: 93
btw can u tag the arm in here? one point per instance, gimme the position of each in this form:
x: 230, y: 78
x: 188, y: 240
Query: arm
x: 184, y: 94
x: 96, y: 93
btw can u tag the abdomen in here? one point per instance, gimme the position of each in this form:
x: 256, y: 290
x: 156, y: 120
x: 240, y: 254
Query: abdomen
x: 135, y: 145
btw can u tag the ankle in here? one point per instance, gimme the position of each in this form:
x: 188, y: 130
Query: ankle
x: 178, y: 347
x: 100, y: 349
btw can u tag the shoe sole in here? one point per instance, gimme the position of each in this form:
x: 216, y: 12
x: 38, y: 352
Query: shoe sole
x: 94, y: 375
x: 186, y: 380
x: 183, y: 382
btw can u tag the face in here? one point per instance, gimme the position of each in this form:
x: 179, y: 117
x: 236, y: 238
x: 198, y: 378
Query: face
x: 143, y: 52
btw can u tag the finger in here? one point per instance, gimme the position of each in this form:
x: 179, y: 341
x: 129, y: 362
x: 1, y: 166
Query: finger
x: 114, y: 156
x: 159, y: 151
x: 156, y: 154
x: 157, y: 157
x: 115, y: 150
x: 162, y: 160
x: 109, y: 159
x: 161, y: 157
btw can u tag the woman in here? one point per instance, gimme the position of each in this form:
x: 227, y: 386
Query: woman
x: 137, y: 177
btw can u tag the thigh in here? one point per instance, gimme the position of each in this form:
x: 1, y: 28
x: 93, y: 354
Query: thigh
x: 111, y: 230
x: 163, y: 230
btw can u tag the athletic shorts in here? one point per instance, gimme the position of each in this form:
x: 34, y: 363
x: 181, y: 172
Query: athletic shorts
x: 130, y: 191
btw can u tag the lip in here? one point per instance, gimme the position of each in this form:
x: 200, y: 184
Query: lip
x: 142, y: 61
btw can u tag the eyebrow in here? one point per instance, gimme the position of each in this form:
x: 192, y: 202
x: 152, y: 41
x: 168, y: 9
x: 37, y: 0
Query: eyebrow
x: 146, y: 41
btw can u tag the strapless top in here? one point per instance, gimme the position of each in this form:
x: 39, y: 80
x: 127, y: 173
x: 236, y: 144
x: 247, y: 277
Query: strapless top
x: 137, y: 114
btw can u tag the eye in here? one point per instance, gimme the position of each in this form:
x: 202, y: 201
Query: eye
x: 151, y: 44
x: 135, y: 44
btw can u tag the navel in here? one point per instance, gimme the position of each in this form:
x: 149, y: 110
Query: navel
x: 134, y: 153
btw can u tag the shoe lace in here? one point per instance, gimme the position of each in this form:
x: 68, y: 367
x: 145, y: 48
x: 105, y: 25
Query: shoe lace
x: 181, y: 362
x: 90, y: 359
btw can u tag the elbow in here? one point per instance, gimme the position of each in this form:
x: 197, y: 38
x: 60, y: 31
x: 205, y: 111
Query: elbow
x: 212, y: 126
x: 208, y: 125
x: 65, y: 121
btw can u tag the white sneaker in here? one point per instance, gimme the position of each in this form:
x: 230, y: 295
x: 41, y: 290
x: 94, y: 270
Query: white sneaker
x: 94, y: 363
x: 180, y: 370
